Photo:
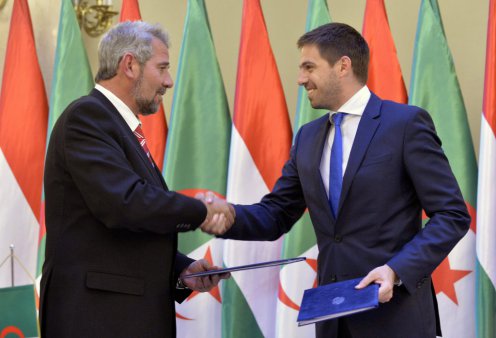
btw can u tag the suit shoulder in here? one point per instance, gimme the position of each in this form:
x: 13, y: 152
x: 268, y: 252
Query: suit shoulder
x: 85, y: 103
x: 316, y: 123
x: 391, y: 106
x: 401, y: 111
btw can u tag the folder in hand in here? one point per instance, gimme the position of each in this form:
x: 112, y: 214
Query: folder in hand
x: 336, y: 300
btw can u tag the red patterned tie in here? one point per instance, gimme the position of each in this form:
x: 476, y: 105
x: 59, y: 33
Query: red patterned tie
x: 138, y: 132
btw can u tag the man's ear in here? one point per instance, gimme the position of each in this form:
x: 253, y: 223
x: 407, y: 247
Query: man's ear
x: 129, y: 66
x: 345, y: 65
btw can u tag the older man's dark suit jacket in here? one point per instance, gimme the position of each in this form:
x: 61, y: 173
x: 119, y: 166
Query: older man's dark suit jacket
x: 396, y: 168
x: 111, y: 251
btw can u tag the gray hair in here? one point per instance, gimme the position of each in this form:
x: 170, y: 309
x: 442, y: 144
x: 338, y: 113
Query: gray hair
x: 127, y: 37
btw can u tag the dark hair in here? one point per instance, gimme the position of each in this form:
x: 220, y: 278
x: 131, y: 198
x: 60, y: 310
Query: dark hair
x: 335, y: 40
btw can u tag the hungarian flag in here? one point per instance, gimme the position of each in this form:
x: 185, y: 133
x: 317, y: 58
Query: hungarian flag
x: 18, y: 312
x: 385, y: 78
x: 300, y: 241
x: 23, y: 125
x: 486, y: 198
x: 435, y: 88
x: 260, y: 144
x: 130, y: 11
x: 154, y: 125
x: 71, y: 79
x: 197, y: 157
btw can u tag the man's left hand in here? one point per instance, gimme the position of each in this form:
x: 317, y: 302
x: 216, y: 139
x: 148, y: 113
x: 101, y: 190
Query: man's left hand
x: 202, y: 284
x: 385, y: 277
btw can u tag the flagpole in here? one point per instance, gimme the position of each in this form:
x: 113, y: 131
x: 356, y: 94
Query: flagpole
x: 12, y: 263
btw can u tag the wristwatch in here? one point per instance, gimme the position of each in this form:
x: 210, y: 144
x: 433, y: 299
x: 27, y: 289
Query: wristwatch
x: 180, y: 285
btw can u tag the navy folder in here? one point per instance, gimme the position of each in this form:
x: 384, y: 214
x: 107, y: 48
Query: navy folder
x: 336, y: 300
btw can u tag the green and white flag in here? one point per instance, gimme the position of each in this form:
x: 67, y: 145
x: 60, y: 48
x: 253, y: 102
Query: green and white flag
x: 300, y: 241
x: 434, y: 87
x: 18, y: 312
x: 197, y: 157
x: 72, y: 79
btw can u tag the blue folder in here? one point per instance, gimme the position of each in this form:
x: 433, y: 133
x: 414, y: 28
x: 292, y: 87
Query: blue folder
x: 336, y: 300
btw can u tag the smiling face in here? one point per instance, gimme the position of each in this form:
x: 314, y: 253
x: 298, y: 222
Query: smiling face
x: 320, y: 79
x: 154, y: 79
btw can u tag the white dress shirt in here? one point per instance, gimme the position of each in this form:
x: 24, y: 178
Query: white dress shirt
x: 353, y: 108
x: 126, y: 113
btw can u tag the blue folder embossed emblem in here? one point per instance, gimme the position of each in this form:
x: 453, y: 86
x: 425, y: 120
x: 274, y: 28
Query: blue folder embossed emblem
x: 336, y: 300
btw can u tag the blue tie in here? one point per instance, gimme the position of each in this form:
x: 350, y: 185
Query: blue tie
x: 336, y: 165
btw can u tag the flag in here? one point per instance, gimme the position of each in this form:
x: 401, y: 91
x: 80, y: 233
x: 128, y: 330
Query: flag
x: 486, y: 199
x: 72, y: 78
x: 130, y: 11
x: 197, y: 157
x: 260, y: 142
x: 23, y: 126
x: 385, y: 78
x: 434, y: 87
x: 154, y: 125
x: 18, y: 312
x: 301, y: 240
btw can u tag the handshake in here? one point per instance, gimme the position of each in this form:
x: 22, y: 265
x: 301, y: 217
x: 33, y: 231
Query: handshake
x: 220, y: 214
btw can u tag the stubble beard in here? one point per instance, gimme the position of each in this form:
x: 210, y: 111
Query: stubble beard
x: 145, y: 106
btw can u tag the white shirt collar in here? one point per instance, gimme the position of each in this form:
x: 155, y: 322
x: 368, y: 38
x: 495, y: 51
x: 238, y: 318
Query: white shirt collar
x: 356, y: 104
x: 126, y: 113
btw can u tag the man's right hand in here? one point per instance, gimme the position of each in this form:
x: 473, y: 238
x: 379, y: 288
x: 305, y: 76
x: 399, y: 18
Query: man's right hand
x: 220, y: 214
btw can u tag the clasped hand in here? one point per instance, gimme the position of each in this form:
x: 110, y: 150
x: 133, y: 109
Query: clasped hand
x: 220, y: 214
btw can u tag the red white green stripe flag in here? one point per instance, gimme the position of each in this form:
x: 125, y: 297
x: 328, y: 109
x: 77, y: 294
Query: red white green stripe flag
x: 300, y: 241
x: 154, y: 125
x: 260, y: 144
x: 197, y: 157
x: 486, y: 198
x: 435, y: 88
x: 23, y: 124
x: 385, y: 78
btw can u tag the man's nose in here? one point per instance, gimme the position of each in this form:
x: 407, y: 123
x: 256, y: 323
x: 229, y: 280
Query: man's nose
x: 302, y: 78
x: 167, y: 82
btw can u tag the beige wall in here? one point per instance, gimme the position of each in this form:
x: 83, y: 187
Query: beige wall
x: 465, y: 24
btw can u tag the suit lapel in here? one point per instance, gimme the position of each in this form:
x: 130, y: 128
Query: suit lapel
x: 159, y: 174
x: 129, y: 136
x: 314, y: 159
x: 366, y: 129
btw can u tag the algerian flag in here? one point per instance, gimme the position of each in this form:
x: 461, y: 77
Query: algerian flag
x: 197, y: 157
x: 18, y: 312
x: 71, y: 79
x: 300, y: 241
x: 434, y: 87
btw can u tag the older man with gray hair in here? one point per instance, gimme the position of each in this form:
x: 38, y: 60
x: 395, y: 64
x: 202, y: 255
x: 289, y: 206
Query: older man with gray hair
x: 112, y: 268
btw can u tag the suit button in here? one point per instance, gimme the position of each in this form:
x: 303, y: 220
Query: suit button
x: 338, y: 238
x: 419, y: 285
x: 333, y: 278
